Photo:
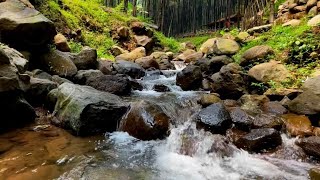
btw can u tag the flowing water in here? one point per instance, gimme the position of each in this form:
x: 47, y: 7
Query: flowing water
x: 188, y: 153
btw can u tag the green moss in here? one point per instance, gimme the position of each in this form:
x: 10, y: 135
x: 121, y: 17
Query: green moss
x: 171, y: 43
x: 279, y: 38
x: 197, y: 40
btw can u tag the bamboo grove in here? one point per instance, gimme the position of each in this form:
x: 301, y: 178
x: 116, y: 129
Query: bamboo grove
x: 177, y: 17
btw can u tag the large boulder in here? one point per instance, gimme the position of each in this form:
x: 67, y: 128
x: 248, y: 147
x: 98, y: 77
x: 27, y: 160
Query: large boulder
x: 58, y: 63
x: 270, y: 71
x: 115, y: 84
x: 217, y: 62
x: 146, y: 121
x: 38, y: 89
x: 83, y: 76
x: 190, y: 78
x: 129, y: 68
x: 105, y: 66
x: 86, y: 59
x: 24, y: 27
x: 260, y: 139
x: 241, y: 119
x: 253, y: 103
x: 310, y: 145
x: 255, y: 54
x: 226, y: 47
x: 133, y: 55
x: 229, y: 82
x: 214, y: 118
x: 87, y: 111
x: 220, y: 46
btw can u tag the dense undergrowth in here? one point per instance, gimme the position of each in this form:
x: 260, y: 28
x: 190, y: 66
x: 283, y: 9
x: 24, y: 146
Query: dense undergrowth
x: 95, y: 22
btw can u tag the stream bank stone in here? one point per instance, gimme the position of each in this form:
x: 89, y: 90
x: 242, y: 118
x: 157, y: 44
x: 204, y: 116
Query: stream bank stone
x: 87, y: 111
x: 260, y: 139
x: 215, y: 118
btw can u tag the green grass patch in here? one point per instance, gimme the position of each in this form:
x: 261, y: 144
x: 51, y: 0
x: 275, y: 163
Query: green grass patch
x: 171, y: 43
x: 197, y: 40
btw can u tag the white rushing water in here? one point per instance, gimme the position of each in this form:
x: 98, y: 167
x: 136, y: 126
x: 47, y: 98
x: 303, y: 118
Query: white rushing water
x: 188, y: 153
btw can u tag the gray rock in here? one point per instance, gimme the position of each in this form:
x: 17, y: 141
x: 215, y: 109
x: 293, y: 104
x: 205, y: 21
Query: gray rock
x: 87, y: 111
x: 310, y: 145
x: 86, y: 59
x: 260, y: 139
x: 17, y: 21
x: 214, y: 118
x: 129, y: 68
x: 190, y: 78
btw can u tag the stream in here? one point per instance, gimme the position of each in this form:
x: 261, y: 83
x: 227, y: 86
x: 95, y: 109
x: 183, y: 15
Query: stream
x: 187, y: 153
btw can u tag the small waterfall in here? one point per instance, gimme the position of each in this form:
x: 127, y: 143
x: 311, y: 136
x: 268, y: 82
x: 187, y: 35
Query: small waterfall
x: 188, y: 153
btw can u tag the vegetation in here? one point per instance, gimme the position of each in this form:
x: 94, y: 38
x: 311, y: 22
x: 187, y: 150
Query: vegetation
x: 95, y: 22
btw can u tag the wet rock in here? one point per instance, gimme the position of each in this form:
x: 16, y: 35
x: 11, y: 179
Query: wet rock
x: 86, y: 59
x: 17, y: 21
x: 255, y: 54
x: 310, y: 145
x: 58, y: 63
x: 229, y: 82
x: 214, y: 118
x: 297, y: 125
x: 87, y: 111
x: 278, y: 95
x: 83, y: 76
x: 106, y: 67
x: 133, y: 55
x: 15, y: 110
x: 114, y: 84
x: 270, y: 71
x: 234, y: 134
x: 129, y: 68
x: 208, y: 99
x: 229, y: 103
x: 274, y: 108
x: 241, y: 119
x: 146, y: 121
x: 222, y: 147
x: 267, y: 121
x: 38, y: 89
x: 161, y: 88
x: 260, y: 139
x: 190, y: 78
x: 148, y: 62
x: 61, y: 43
x: 253, y: 103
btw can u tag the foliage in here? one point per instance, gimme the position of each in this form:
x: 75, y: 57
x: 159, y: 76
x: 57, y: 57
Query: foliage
x: 95, y: 22
x: 279, y: 38
x: 196, y: 40
x: 171, y: 43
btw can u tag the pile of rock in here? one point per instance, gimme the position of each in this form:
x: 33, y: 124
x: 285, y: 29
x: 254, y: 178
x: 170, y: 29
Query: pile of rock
x: 292, y: 11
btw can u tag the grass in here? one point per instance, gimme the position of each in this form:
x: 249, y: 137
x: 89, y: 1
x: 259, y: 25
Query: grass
x: 197, y: 40
x: 279, y: 38
x: 95, y: 22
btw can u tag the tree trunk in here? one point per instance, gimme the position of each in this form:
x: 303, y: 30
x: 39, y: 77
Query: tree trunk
x: 134, y: 12
x: 272, y: 11
x: 125, y: 4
